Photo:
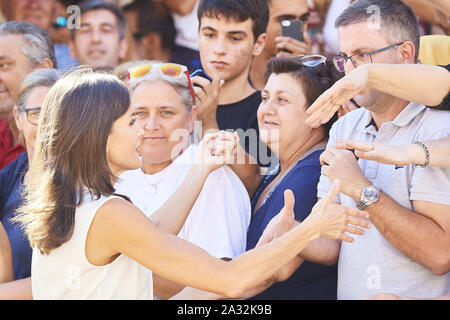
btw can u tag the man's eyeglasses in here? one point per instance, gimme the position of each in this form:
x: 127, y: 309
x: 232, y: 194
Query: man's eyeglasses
x: 312, y: 60
x: 32, y: 113
x: 170, y: 71
x: 359, y: 58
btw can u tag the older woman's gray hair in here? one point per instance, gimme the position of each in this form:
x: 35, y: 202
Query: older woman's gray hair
x: 37, y: 78
x: 181, y: 87
x: 38, y: 44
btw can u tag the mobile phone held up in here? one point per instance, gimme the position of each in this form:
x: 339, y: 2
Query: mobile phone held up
x: 201, y: 73
x: 292, y: 29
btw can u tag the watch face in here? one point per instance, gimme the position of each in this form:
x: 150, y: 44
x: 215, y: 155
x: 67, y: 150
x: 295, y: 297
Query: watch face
x: 371, y: 193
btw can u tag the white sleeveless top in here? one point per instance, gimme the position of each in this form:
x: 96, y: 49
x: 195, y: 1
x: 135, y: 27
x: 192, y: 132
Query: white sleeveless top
x: 67, y: 274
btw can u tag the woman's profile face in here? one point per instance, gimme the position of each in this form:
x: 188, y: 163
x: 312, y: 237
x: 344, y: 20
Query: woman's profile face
x: 281, y: 115
x: 27, y: 123
x: 124, y: 141
x: 160, y: 112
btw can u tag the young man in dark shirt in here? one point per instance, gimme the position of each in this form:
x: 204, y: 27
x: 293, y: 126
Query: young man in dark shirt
x: 231, y: 34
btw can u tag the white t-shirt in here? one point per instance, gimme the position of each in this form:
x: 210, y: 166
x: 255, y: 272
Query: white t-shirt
x: 330, y: 33
x: 66, y: 273
x: 219, y: 219
x: 187, y: 29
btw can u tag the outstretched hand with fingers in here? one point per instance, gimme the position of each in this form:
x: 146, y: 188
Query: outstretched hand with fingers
x: 334, y: 220
x: 329, y: 102
x: 380, y: 152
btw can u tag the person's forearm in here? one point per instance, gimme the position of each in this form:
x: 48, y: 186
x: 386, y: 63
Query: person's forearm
x: 171, y: 216
x: 322, y: 250
x: 194, y: 267
x: 439, y: 153
x: 16, y: 290
x: 423, y: 84
x: 164, y: 288
x: 424, y: 9
x: 413, y: 234
x: 443, y: 5
x: 259, y: 264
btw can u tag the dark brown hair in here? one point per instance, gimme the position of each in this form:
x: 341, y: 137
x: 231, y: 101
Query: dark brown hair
x: 70, y: 159
x: 398, y: 21
x: 239, y: 11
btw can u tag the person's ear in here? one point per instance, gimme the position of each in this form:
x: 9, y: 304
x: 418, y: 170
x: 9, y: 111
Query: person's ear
x: 46, y: 64
x: 192, y: 119
x: 407, y: 52
x: 260, y: 44
x: 15, y: 112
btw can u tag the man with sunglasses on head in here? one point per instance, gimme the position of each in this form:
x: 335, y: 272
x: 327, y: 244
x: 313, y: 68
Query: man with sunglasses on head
x: 407, y: 252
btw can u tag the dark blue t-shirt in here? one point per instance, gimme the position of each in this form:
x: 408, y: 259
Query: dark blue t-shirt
x: 10, y: 199
x: 242, y: 116
x: 311, y: 280
x: 185, y: 56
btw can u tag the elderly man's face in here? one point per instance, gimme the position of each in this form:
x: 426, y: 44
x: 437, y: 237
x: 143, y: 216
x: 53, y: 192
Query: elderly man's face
x: 39, y: 12
x: 14, y: 66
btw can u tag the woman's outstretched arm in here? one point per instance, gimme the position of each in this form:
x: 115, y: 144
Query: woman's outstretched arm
x: 120, y: 228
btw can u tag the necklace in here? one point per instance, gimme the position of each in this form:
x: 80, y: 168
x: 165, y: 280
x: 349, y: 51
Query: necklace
x: 277, y: 170
x: 153, y: 186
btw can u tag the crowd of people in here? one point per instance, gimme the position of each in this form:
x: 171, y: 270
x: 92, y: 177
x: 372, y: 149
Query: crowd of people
x: 159, y: 149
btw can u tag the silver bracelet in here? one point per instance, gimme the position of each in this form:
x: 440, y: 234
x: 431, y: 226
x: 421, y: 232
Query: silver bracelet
x: 427, y: 153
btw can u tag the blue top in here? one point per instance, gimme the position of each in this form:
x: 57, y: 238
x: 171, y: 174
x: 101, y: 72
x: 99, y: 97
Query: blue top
x: 62, y: 54
x: 311, y: 280
x: 10, y: 199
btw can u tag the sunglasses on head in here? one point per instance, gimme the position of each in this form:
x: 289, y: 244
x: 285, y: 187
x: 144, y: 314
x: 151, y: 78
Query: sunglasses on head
x: 312, y: 60
x: 171, y: 71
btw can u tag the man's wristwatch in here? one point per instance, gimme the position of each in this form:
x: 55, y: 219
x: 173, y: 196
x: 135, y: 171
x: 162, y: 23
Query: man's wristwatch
x: 369, y: 195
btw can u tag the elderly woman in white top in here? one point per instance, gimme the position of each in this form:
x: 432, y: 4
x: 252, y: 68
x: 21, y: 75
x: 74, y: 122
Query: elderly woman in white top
x: 164, y: 107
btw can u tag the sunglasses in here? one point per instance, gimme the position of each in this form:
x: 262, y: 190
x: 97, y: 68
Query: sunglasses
x: 169, y: 71
x: 312, y: 60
